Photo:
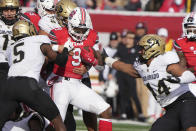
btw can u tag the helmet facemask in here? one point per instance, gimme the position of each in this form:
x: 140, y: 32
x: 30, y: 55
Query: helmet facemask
x: 190, y: 30
x: 79, y: 24
x: 9, y: 11
x: 77, y: 33
x: 189, y: 26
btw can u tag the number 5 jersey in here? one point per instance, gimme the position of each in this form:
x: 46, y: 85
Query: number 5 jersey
x: 163, y: 91
x: 25, y: 56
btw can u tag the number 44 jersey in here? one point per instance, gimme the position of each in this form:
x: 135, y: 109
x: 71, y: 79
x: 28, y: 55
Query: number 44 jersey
x: 25, y: 56
x: 163, y: 91
x: 5, y: 39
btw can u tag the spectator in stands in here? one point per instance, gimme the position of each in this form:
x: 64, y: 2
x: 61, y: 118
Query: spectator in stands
x: 123, y: 37
x: 109, y: 74
x: 153, y: 5
x: 133, y: 5
x: 140, y: 30
x: 173, y: 6
x: 28, y: 3
x: 111, y: 50
x: 127, y: 84
x: 163, y: 32
x: 80, y: 3
x: 91, y: 4
x: 111, y: 5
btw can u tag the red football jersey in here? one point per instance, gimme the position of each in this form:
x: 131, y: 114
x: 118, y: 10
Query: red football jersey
x: 32, y: 17
x: 189, y: 50
x: 60, y: 36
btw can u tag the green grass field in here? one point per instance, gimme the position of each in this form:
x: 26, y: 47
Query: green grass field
x: 116, y: 127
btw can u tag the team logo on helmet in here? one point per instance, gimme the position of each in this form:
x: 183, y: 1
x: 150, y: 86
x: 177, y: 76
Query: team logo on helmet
x: 153, y: 41
x: 72, y: 14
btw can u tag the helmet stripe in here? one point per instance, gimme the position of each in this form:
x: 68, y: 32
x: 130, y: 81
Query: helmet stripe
x: 82, y: 15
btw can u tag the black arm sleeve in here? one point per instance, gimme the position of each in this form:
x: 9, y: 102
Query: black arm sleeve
x: 62, y: 58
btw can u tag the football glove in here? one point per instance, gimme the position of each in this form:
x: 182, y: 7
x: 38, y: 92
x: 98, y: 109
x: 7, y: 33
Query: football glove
x: 88, y: 57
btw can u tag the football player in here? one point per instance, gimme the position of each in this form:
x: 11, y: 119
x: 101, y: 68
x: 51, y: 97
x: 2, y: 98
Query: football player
x: 47, y: 23
x: 186, y: 46
x: 9, y: 14
x: 24, y: 72
x: 43, y: 8
x: 79, y: 31
x: 168, y: 82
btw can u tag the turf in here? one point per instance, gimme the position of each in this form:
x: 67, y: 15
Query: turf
x: 116, y: 127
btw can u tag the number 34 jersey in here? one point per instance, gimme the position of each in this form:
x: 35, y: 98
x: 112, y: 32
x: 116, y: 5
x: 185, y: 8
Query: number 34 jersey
x: 5, y: 39
x: 25, y: 56
x: 164, y: 92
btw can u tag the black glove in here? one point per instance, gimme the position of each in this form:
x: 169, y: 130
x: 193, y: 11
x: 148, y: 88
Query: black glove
x: 173, y: 79
x: 104, y: 55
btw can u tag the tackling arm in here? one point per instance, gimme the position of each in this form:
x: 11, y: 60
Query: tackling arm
x: 59, y: 58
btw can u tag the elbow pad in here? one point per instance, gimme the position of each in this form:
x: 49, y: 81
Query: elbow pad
x: 61, y: 59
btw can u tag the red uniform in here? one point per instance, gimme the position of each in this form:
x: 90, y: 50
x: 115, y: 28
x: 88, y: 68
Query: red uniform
x: 60, y: 36
x: 189, y: 50
x: 31, y: 17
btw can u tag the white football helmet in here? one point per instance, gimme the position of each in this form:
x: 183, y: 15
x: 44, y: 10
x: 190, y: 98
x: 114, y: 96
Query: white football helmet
x: 189, y: 26
x: 79, y: 24
x: 43, y: 5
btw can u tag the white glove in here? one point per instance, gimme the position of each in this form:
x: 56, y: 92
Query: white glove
x: 69, y: 45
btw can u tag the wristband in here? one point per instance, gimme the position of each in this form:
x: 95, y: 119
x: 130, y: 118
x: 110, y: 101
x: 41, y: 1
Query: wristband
x: 187, y: 77
x: 55, y: 47
x: 109, y: 61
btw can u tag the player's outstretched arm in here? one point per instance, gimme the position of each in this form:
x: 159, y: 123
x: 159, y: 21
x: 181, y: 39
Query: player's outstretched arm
x: 126, y: 68
x: 119, y: 65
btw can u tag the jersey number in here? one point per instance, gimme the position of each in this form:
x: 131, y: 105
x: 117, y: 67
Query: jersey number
x: 162, y: 88
x: 18, y: 52
x: 5, y: 42
x: 76, y: 57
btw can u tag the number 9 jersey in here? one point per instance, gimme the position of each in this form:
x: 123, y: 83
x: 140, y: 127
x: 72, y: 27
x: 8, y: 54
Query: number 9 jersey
x: 164, y: 92
x: 5, y: 39
x: 60, y: 36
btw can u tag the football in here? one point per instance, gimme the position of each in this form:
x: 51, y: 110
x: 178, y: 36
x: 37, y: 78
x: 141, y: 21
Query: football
x: 87, y: 48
